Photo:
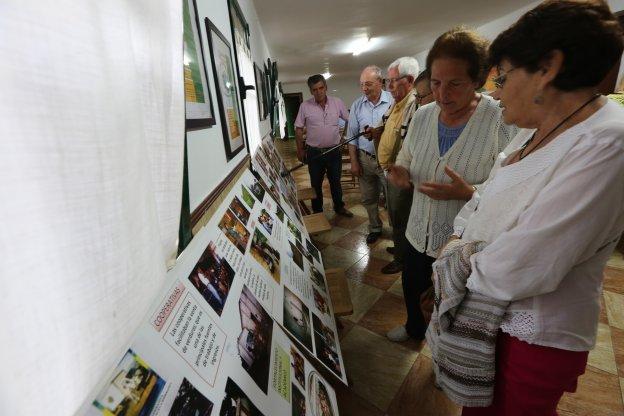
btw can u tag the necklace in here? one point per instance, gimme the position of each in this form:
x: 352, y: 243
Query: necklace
x: 528, y: 142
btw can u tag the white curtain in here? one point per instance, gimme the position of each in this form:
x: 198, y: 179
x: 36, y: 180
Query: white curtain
x: 91, y: 147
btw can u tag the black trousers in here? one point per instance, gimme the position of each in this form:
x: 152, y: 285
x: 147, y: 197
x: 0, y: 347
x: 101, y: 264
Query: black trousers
x: 331, y: 164
x: 416, y: 280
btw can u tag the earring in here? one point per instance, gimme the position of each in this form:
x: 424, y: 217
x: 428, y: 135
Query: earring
x: 538, y: 99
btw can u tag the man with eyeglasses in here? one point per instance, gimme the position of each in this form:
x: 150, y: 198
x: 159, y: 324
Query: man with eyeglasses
x: 320, y: 117
x: 388, y: 138
x: 368, y: 111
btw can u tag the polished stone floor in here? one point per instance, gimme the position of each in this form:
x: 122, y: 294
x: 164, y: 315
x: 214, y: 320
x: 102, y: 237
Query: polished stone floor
x: 396, y: 379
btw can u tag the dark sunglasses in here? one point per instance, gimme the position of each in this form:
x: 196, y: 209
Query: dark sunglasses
x: 500, y: 80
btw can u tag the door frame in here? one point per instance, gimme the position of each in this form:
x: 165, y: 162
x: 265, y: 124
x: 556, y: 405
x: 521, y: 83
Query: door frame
x: 291, y: 95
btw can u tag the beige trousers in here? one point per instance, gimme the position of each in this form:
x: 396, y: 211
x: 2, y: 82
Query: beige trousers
x: 372, y: 182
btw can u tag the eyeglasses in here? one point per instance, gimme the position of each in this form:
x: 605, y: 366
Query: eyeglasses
x: 500, y: 80
x: 422, y: 97
x: 367, y: 84
x: 389, y: 81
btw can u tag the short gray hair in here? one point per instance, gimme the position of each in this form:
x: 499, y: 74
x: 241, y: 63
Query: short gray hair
x: 375, y: 70
x: 406, y: 65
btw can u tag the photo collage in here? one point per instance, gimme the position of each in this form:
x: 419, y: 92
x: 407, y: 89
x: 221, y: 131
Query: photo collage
x: 216, y: 344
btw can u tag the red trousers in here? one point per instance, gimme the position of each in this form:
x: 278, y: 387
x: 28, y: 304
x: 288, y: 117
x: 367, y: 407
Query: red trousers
x: 530, y: 379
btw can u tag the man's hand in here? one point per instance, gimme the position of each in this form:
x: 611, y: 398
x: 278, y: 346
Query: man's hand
x: 399, y: 177
x: 373, y: 133
x: 458, y: 188
x: 356, y: 168
x: 301, y: 156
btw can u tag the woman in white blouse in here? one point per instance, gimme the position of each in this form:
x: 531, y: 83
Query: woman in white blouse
x: 450, y: 145
x: 552, y: 208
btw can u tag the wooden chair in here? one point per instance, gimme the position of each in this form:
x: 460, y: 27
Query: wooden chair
x: 316, y: 223
x: 305, y: 194
x: 339, y: 292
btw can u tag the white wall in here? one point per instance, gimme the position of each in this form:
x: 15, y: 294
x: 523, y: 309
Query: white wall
x: 207, y: 164
x: 492, y: 29
x: 348, y: 90
x: 345, y: 88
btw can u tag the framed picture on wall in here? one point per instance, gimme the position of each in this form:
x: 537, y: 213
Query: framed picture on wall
x: 227, y: 90
x: 261, y: 91
x: 198, y: 101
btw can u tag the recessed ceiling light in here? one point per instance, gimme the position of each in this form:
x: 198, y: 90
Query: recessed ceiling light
x: 327, y: 75
x: 362, y: 45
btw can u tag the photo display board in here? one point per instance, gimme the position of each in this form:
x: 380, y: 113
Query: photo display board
x: 215, y: 342
x: 268, y: 164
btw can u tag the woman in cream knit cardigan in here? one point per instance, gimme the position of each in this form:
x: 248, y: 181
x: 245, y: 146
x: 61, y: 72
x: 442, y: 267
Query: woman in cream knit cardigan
x: 450, y: 146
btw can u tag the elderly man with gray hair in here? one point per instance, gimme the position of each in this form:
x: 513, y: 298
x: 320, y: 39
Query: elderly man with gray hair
x: 366, y: 111
x: 388, y: 139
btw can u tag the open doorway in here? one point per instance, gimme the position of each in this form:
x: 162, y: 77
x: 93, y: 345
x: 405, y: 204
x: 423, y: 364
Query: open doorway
x: 292, y: 101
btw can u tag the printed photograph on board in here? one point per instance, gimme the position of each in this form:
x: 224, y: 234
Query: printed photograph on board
x: 297, y: 318
x: 265, y: 254
x: 234, y: 230
x: 298, y: 366
x: 266, y: 220
x: 325, y: 342
x: 237, y: 207
x: 133, y: 390
x: 279, y: 212
x: 212, y: 276
x: 247, y: 197
x: 294, y: 230
x: 321, y: 401
x: 236, y: 402
x: 190, y: 402
x: 304, y: 251
x: 321, y: 303
x: 317, y: 278
x: 257, y: 189
x: 254, y: 341
x: 298, y: 402
x: 296, y: 255
x: 313, y: 250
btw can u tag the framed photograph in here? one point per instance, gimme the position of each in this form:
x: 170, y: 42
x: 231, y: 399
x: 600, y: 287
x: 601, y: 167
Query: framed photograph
x: 260, y: 92
x: 227, y: 90
x: 198, y: 101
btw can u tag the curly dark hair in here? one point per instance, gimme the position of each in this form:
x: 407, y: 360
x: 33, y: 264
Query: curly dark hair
x: 466, y: 45
x: 586, y: 32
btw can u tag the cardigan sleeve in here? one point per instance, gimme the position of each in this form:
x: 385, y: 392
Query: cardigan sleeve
x: 464, y: 214
x: 506, y: 132
x: 571, y: 219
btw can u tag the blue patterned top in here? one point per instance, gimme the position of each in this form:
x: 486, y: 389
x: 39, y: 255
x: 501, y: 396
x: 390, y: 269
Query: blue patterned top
x: 447, y: 136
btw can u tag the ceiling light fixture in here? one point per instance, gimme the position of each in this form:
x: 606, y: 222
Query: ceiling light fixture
x: 327, y: 75
x: 361, y: 45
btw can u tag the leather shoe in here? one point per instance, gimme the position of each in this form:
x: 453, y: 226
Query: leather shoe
x: 344, y: 212
x: 390, y: 250
x: 392, y: 267
x: 372, y: 237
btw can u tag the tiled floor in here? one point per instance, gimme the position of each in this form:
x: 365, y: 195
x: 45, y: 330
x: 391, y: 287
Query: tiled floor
x: 393, y: 379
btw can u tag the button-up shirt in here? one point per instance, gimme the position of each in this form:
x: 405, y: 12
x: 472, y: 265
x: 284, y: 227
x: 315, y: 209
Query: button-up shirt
x: 321, y: 123
x: 365, y: 113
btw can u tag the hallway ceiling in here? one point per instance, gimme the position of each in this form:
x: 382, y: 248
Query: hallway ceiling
x: 306, y: 37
